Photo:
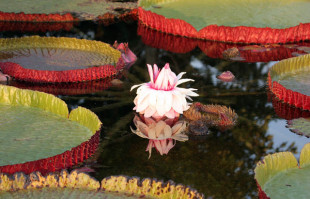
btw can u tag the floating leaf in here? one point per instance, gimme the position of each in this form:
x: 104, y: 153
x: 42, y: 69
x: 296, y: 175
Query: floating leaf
x: 48, y: 140
x: 300, y: 126
x: 51, y: 59
x: 217, y: 20
x: 278, y: 175
x: 289, y: 81
x: 62, y: 10
x: 80, y: 185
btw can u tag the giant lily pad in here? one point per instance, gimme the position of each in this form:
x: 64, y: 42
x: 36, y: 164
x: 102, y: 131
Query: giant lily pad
x: 38, y: 133
x: 289, y: 81
x: 50, y: 11
x: 80, y: 185
x: 51, y: 59
x: 217, y: 20
x: 279, y: 176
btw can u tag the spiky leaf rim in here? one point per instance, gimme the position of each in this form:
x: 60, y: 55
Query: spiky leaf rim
x: 120, y: 184
x: 285, y: 67
x: 212, y: 114
x: 77, y: 75
x: 276, y: 163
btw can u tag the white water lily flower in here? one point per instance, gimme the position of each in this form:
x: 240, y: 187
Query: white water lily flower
x: 161, y: 96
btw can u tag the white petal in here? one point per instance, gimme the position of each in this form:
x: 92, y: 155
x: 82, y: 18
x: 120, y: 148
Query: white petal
x: 181, y: 81
x: 143, y: 105
x: 135, y: 86
x: 143, y: 128
x: 179, y: 127
x: 180, y: 75
x: 180, y: 137
x: 177, y: 103
x: 143, y: 95
x: 151, y: 73
x: 153, y: 98
x: 151, y: 133
x: 159, y: 129
x: 167, y: 131
x: 168, y: 101
x: 160, y: 103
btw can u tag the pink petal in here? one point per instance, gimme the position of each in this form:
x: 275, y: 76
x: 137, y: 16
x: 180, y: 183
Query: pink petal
x: 149, y: 111
x: 156, y: 72
x: 149, y: 121
x: 170, y: 114
x: 158, y: 146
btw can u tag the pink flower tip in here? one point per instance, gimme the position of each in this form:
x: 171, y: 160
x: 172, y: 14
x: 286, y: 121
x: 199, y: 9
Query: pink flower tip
x: 226, y: 76
x: 167, y: 66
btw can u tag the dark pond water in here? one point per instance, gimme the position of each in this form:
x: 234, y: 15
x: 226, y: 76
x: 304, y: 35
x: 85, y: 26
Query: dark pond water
x: 221, y: 164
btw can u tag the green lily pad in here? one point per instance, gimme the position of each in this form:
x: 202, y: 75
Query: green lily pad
x: 252, y: 13
x: 83, y: 8
x: 279, y: 176
x: 30, y: 133
x: 63, y: 193
x: 54, y: 59
x: 296, y: 80
x: 36, y: 126
x: 300, y: 126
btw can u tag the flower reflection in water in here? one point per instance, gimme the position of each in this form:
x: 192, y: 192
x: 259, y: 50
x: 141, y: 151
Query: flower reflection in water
x: 161, y: 133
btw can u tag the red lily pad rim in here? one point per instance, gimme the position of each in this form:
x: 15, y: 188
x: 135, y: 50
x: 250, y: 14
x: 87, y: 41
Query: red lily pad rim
x: 215, y: 49
x: 5, y: 16
x: 293, y: 98
x: 239, y: 34
x: 55, y: 163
